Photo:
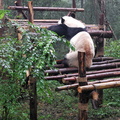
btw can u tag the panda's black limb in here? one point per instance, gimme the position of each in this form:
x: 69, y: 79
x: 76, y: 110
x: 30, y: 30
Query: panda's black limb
x: 65, y: 62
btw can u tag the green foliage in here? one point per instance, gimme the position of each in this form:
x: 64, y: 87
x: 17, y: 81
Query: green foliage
x: 2, y: 13
x: 110, y: 107
x: 16, y: 56
x: 112, y: 49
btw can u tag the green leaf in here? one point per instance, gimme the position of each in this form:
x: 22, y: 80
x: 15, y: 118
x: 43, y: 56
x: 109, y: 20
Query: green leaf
x: 2, y: 13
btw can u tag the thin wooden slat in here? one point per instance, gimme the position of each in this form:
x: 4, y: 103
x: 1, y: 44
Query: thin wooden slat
x: 46, y: 8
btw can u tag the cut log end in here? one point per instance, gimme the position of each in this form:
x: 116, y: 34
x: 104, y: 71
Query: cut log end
x: 79, y: 89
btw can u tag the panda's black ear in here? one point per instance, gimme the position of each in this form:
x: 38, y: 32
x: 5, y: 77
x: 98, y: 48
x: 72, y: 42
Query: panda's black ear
x: 62, y: 20
x: 72, y: 14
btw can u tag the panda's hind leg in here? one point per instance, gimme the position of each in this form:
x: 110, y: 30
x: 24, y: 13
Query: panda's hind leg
x: 65, y: 62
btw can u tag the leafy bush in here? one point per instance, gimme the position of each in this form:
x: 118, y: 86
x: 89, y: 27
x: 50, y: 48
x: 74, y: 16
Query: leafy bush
x: 16, y: 56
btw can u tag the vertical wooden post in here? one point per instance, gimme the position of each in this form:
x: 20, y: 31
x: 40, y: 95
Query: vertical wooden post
x: 100, y: 45
x: 1, y: 4
x: 33, y: 98
x: 82, y: 80
x: 32, y: 81
x: 100, y: 41
x: 31, y: 13
x: 20, y: 12
x: 73, y: 4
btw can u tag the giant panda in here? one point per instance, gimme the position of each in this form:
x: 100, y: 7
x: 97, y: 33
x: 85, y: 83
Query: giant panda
x: 80, y: 40
x: 71, y: 22
x: 65, y: 31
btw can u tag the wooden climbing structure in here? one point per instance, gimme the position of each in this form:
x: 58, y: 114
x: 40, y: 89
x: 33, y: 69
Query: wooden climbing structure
x: 105, y: 71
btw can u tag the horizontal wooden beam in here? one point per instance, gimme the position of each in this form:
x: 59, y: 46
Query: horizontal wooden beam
x: 101, y: 33
x: 98, y: 86
x: 58, y: 77
x: 36, y: 20
x: 97, y: 59
x: 93, y: 67
x: 75, y: 85
x: 46, y: 8
x: 93, y: 76
x: 94, y: 63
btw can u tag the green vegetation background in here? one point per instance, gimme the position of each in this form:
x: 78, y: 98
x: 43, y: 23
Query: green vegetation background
x: 51, y: 105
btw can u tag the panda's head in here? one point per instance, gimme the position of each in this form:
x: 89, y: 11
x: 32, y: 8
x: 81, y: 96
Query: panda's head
x: 71, y: 22
x: 60, y: 29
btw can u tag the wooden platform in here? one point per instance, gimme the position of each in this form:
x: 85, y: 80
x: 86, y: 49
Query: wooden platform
x: 45, y: 23
x: 106, y: 68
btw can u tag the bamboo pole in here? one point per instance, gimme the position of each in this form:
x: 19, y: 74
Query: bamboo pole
x: 107, y: 61
x: 105, y: 66
x: 97, y: 59
x: 93, y: 67
x: 46, y: 8
x: 100, y: 34
x: 98, y: 86
x: 75, y: 85
x: 96, y: 76
x: 94, y: 63
x: 61, y: 71
x: 58, y: 77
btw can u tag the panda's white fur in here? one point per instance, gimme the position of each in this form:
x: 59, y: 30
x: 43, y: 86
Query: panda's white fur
x: 81, y: 42
x: 71, y: 22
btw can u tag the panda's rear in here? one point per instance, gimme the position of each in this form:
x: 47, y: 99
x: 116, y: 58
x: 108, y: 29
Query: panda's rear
x: 82, y: 42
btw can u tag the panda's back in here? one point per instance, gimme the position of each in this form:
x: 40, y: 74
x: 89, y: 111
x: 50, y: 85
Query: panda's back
x: 83, y: 42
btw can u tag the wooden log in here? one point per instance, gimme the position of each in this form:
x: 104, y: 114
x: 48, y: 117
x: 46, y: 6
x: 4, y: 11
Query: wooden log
x: 75, y: 85
x: 98, y: 86
x: 18, y: 3
x: 1, y: 4
x: 94, y: 76
x: 107, y: 61
x: 61, y: 71
x: 33, y: 98
x: 101, y: 33
x: 105, y: 66
x: 31, y: 13
x: 82, y: 80
x: 58, y: 77
x: 32, y: 86
x: 98, y: 59
x: 93, y: 67
x: 73, y: 4
x: 46, y: 8
x: 94, y: 63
